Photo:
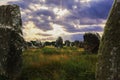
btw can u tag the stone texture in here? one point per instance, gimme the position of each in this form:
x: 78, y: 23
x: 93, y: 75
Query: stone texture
x: 108, y: 67
x: 11, y: 41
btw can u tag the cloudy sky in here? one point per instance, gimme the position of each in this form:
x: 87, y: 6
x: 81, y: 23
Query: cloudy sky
x: 47, y: 19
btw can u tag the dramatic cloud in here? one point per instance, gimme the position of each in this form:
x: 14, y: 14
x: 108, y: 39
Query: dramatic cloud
x: 48, y: 19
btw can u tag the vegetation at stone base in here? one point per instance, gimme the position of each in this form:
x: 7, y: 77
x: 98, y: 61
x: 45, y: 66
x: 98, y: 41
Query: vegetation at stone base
x: 62, y: 64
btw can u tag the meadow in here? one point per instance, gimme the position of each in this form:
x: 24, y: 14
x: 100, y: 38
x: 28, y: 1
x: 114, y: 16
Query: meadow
x: 49, y: 63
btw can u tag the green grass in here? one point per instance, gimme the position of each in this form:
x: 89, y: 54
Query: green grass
x: 58, y: 64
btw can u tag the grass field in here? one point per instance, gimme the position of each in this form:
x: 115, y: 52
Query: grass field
x: 49, y: 63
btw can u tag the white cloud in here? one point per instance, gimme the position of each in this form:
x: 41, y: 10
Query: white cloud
x: 40, y: 17
x: 57, y: 30
x: 60, y: 13
x: 4, y: 2
x: 31, y: 32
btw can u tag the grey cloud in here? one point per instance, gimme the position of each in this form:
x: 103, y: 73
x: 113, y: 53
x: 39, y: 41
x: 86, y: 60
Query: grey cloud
x: 70, y: 27
x: 43, y: 14
x: 80, y: 14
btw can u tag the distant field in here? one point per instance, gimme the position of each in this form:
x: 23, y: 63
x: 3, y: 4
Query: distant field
x: 49, y: 63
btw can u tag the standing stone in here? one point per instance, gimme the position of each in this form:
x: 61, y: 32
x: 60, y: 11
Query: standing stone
x: 108, y: 67
x: 11, y: 41
x: 59, y: 42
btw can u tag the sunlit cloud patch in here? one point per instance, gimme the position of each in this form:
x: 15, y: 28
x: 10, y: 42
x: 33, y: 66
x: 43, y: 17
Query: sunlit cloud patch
x: 47, y: 19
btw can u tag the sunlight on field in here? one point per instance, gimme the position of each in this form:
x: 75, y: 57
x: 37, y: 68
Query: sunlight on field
x: 37, y: 56
x: 50, y: 63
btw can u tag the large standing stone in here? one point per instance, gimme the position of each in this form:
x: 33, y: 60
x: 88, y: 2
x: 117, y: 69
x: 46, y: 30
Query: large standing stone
x: 109, y: 52
x: 11, y: 41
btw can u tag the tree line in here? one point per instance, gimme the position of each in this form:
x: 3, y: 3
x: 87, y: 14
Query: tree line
x: 91, y: 43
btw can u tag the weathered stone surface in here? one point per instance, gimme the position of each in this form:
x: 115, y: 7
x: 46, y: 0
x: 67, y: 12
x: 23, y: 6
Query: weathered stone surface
x: 108, y: 67
x: 11, y: 41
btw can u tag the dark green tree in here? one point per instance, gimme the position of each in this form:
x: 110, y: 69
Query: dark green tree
x: 29, y: 44
x: 47, y: 43
x: 34, y: 43
x: 53, y: 43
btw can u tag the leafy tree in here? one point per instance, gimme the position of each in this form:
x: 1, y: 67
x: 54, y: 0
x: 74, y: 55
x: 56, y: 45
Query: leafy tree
x: 33, y: 42
x: 47, y: 43
x: 59, y: 42
x: 53, y: 43
x: 29, y: 44
x: 36, y: 44
x: 91, y: 42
